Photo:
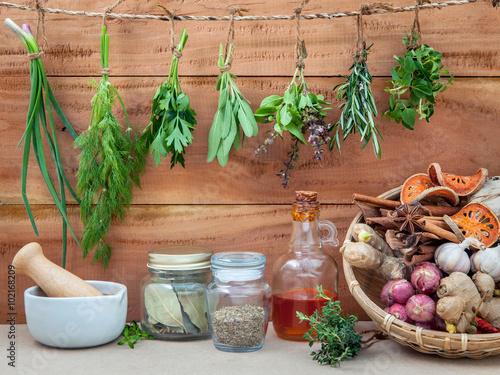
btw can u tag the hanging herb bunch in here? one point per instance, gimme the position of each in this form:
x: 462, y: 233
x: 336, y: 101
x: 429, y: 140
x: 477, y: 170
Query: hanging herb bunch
x: 416, y: 80
x: 358, y: 105
x: 110, y: 163
x: 298, y: 112
x: 172, y: 119
x: 233, y: 111
x: 41, y: 121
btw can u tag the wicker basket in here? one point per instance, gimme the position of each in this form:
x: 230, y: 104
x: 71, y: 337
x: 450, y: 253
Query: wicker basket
x: 366, y: 285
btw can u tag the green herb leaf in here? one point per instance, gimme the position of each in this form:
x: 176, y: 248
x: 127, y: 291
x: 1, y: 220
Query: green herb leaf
x: 132, y: 334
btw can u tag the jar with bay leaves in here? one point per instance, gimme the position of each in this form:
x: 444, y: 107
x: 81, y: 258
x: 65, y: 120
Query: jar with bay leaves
x: 238, y: 301
x: 173, y: 295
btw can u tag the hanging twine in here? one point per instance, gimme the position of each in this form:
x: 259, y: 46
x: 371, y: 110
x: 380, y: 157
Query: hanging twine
x: 230, y: 37
x: 108, y: 10
x: 171, y: 19
x: 300, y: 46
x: 40, y: 23
x: 367, y: 9
x: 415, y: 36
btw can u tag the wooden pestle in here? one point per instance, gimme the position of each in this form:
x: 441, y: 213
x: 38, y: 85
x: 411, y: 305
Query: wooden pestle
x: 55, y: 281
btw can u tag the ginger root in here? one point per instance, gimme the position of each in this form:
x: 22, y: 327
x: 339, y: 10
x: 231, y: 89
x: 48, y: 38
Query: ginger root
x: 365, y: 233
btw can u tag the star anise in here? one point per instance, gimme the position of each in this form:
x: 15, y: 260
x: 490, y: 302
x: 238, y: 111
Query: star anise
x: 407, y: 217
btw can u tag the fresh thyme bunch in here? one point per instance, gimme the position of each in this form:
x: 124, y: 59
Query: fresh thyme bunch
x: 132, y: 334
x: 358, y: 106
x: 110, y: 163
x: 297, y: 112
x: 233, y: 111
x: 38, y: 121
x: 333, y: 331
x: 419, y: 75
x: 172, y: 120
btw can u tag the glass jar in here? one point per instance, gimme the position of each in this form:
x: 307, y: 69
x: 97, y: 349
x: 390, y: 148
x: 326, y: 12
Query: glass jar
x: 173, y: 295
x: 238, y: 301
x: 298, y: 272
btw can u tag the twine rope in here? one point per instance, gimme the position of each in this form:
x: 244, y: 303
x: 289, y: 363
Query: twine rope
x: 40, y: 22
x: 415, y: 34
x: 230, y: 38
x: 245, y: 18
x: 108, y: 10
x: 171, y: 19
x: 300, y: 47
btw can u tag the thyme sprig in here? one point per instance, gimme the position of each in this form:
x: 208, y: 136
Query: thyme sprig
x: 334, y: 331
x: 232, y: 113
x: 298, y: 112
x: 358, y: 106
x: 110, y: 163
x: 419, y: 76
x: 172, y: 119
x: 40, y: 121
x: 132, y: 334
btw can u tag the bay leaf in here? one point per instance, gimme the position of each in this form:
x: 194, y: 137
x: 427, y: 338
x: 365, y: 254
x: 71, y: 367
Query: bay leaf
x: 163, y: 306
x: 194, y: 305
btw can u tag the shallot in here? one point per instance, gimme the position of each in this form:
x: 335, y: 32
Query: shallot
x: 397, y: 291
x: 421, y: 308
x: 425, y: 277
x: 399, y: 311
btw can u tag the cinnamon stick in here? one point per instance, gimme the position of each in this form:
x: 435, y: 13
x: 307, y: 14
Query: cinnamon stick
x: 443, y: 233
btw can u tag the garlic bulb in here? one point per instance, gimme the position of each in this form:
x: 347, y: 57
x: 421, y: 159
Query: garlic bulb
x: 487, y: 261
x: 451, y: 257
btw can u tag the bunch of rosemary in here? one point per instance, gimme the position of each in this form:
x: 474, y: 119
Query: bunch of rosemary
x: 418, y: 74
x: 358, y: 106
x: 297, y: 112
x: 172, y: 120
x: 233, y: 112
x: 42, y: 102
x: 110, y: 163
x: 333, y: 331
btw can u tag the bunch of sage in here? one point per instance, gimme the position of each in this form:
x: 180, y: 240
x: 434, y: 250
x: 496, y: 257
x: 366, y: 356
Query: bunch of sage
x: 172, y: 119
x: 233, y: 111
x: 418, y: 74
x: 39, y: 119
x: 110, y: 163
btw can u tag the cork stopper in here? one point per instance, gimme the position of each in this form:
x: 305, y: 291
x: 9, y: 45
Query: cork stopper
x: 306, y: 196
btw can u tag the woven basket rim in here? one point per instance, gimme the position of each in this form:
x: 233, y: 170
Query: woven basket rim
x: 423, y: 340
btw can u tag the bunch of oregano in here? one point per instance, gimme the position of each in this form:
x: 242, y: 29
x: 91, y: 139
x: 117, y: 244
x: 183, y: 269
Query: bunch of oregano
x: 38, y: 121
x: 110, y: 163
x: 358, y: 106
x: 233, y: 111
x: 172, y: 120
x: 418, y: 74
x: 132, y: 334
x: 333, y: 331
x: 297, y: 112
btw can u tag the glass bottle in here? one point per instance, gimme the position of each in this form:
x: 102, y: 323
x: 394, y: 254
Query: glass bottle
x: 173, y: 294
x: 238, y: 301
x: 297, y: 273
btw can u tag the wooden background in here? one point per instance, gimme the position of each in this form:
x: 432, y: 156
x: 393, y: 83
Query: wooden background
x: 242, y: 206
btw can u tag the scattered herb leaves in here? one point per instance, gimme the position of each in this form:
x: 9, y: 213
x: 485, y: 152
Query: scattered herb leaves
x: 110, y: 163
x: 232, y: 113
x: 132, y: 334
x: 335, y: 332
x: 419, y: 76
x: 40, y: 117
x: 172, y: 119
x: 358, y: 106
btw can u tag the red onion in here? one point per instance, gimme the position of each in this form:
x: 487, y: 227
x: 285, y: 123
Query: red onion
x: 397, y: 291
x: 426, y: 325
x: 421, y: 308
x: 439, y: 323
x: 425, y: 277
x: 399, y: 311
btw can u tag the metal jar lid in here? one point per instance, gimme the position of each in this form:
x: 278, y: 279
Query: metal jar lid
x: 180, y: 258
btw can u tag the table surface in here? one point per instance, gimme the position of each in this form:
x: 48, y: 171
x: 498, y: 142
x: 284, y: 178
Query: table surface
x: 200, y: 357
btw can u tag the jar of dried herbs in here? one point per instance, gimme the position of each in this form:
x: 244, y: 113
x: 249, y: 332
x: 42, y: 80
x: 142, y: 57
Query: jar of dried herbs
x: 173, y: 294
x: 238, y: 301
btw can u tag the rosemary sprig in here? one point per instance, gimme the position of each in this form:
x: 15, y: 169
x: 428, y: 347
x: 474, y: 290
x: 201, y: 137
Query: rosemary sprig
x: 419, y: 75
x: 232, y: 113
x: 297, y: 112
x: 110, y: 163
x: 132, y: 334
x: 335, y: 332
x: 172, y: 120
x: 42, y: 102
x: 358, y: 106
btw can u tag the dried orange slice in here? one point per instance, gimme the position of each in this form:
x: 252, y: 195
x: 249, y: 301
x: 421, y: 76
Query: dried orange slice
x: 478, y: 221
x: 420, y: 186
x: 462, y: 185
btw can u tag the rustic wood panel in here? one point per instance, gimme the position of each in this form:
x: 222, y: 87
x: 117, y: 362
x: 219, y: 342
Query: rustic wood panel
x: 262, y: 228
x: 466, y: 35
x: 464, y: 126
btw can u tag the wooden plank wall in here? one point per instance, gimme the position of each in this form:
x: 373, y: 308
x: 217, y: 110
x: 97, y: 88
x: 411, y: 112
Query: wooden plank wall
x: 241, y: 206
